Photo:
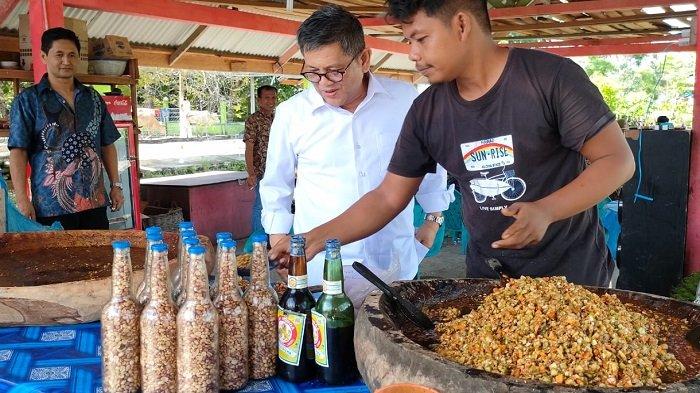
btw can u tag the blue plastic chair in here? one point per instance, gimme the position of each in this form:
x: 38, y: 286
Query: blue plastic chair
x: 454, y: 226
x: 17, y: 222
x: 418, y: 218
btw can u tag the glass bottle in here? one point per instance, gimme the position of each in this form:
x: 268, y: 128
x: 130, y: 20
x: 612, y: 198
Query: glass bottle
x: 295, y: 358
x: 214, y: 277
x: 261, y: 300
x: 159, y: 329
x: 334, y: 323
x: 187, y: 244
x: 198, y: 332
x: 178, y: 286
x: 144, y: 289
x: 233, y: 321
x: 120, y: 328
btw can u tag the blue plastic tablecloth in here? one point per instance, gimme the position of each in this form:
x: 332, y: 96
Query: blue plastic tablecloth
x: 52, y: 359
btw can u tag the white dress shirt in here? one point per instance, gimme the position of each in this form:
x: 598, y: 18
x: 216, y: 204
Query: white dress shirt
x: 338, y: 157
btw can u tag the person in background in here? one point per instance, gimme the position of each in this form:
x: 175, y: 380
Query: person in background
x: 62, y: 129
x: 257, y: 134
x: 338, y: 136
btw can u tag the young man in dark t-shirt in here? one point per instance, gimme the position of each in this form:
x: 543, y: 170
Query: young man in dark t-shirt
x: 515, y: 128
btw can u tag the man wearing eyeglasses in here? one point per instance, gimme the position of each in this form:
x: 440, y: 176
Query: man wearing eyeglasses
x: 339, y: 137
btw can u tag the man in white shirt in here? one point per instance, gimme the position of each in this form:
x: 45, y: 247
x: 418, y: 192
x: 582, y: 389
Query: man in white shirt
x: 337, y: 139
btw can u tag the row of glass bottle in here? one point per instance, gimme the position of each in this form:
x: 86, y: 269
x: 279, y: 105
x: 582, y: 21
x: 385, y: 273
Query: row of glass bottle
x: 205, y: 346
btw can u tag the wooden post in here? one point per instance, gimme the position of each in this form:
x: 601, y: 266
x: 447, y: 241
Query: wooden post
x: 692, y: 238
x: 43, y: 15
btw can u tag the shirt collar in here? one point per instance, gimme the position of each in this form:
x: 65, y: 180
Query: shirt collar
x: 373, y: 87
x: 44, y: 85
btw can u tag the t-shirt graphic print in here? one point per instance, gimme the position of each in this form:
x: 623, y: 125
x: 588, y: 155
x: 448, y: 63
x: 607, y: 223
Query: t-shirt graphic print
x: 494, y: 159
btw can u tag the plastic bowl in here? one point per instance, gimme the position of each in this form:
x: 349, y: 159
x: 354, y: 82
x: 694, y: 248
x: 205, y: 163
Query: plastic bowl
x: 405, y: 388
x: 109, y: 67
x: 9, y: 64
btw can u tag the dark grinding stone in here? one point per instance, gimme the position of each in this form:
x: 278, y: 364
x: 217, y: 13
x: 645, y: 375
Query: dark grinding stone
x: 390, y: 349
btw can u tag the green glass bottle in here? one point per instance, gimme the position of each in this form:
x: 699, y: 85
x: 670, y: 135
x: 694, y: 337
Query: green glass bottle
x: 333, y: 321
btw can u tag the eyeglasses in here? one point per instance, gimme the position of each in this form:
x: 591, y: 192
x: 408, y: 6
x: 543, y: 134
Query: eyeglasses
x: 332, y: 75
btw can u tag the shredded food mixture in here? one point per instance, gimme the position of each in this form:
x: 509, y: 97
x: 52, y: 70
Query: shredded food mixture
x: 556, y: 332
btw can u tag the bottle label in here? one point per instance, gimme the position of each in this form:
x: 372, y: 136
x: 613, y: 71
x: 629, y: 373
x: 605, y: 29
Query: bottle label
x: 318, y: 322
x: 291, y: 327
x: 332, y: 287
x: 298, y: 282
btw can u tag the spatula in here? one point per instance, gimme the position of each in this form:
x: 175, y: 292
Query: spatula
x: 409, y: 310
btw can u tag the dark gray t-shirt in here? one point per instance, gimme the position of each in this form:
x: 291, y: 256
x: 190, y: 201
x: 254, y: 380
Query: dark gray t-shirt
x: 519, y: 142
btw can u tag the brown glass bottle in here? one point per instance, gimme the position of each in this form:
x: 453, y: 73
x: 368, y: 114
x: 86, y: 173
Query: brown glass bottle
x: 295, y: 348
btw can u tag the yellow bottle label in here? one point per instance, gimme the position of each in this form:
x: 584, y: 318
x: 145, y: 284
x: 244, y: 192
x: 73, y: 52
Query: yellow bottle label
x: 318, y: 322
x: 291, y: 327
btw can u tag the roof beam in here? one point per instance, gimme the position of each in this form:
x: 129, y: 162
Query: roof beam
x: 213, y: 16
x: 286, y: 56
x: 625, y: 49
x: 185, y: 46
x: 584, y: 34
x: 578, y: 7
x: 379, y: 21
x: 360, y: 9
x: 596, y: 42
x: 6, y: 8
x: 593, y: 22
x: 381, y: 62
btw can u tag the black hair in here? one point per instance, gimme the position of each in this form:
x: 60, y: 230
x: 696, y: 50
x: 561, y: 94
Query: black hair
x: 404, y: 10
x: 261, y: 89
x: 55, y: 34
x: 332, y: 24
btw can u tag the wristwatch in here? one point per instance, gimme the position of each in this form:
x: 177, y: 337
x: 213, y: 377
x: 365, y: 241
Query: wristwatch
x: 435, y: 219
x: 117, y: 184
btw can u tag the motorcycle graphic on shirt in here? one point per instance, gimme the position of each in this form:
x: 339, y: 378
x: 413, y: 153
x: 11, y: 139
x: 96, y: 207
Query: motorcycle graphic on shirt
x: 486, y: 155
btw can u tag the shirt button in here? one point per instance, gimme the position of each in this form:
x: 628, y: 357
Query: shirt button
x: 363, y: 174
x: 358, y: 147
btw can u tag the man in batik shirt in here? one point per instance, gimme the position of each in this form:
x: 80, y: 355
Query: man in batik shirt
x: 61, y: 128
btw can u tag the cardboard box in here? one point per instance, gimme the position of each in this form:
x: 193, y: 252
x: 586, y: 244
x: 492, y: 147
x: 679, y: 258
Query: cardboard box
x: 78, y: 26
x: 111, y: 47
x: 119, y: 107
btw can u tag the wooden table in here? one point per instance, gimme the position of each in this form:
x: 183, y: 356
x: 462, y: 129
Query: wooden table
x: 214, y: 201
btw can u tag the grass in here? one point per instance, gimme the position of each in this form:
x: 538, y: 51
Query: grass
x: 234, y: 165
x: 230, y: 129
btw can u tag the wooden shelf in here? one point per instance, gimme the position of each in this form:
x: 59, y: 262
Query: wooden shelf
x: 16, y: 74
x: 28, y: 76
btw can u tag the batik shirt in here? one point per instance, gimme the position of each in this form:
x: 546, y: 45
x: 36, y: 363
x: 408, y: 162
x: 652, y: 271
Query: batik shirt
x: 64, y: 147
x: 257, y: 130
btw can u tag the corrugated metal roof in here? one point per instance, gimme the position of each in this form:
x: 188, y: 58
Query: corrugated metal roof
x: 152, y: 31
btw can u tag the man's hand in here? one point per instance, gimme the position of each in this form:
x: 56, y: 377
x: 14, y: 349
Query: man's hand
x: 252, y: 181
x: 531, y: 223
x: 280, y: 249
x: 427, y: 232
x: 26, y: 208
x: 117, y: 198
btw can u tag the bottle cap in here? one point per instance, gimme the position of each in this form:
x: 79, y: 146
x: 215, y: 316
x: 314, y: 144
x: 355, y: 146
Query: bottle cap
x: 121, y: 244
x: 160, y: 247
x: 196, y: 250
x: 259, y: 238
x: 228, y: 243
